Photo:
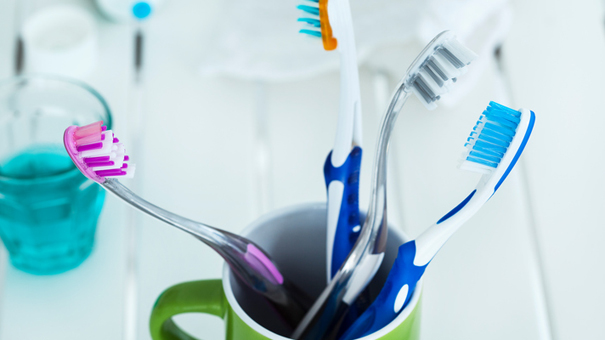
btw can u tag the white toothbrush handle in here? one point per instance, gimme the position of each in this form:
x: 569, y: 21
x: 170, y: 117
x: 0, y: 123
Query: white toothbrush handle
x: 429, y: 242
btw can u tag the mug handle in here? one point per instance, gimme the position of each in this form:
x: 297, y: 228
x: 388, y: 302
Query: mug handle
x: 190, y: 297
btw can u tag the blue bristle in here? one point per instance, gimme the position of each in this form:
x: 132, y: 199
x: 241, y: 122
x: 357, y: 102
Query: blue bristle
x: 311, y: 21
x: 482, y: 161
x: 496, y: 106
x: 311, y: 33
x: 309, y: 9
x: 492, y: 135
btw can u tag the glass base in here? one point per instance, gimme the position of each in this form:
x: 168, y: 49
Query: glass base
x: 51, y: 265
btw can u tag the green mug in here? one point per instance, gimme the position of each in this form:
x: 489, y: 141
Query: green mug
x: 296, y: 239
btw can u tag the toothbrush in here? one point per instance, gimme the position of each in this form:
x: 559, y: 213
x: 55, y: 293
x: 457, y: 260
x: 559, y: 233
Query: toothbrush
x: 101, y: 157
x: 430, y: 75
x: 493, y: 148
x: 331, y: 21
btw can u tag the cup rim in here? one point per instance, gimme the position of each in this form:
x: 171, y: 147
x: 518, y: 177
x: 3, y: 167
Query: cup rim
x: 65, y: 81
x: 405, y: 313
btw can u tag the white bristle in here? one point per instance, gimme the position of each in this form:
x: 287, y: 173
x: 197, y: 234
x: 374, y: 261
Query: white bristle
x: 475, y: 167
x: 118, y: 162
x: 435, y: 87
x: 444, y: 60
x: 430, y: 105
x: 129, y: 172
x: 462, y: 52
x: 445, y: 66
x: 105, y: 150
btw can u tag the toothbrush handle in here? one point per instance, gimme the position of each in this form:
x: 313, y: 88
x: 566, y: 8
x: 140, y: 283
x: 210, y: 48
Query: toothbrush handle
x: 211, y: 236
x: 393, y: 297
x: 342, y: 184
x: 247, y: 261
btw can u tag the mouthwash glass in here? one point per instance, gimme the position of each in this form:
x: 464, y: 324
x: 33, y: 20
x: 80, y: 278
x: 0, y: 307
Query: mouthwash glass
x: 48, y: 209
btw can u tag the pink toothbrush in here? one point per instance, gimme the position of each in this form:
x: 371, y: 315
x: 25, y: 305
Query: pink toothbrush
x: 100, y: 156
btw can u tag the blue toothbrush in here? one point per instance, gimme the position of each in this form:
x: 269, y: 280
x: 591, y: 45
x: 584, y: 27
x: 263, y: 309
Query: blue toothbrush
x: 493, y: 148
x: 332, y: 24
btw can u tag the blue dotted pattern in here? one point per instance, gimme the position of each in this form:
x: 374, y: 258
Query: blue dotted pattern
x: 348, y: 217
x: 382, y: 310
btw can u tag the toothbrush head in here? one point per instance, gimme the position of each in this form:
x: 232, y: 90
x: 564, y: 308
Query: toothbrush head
x: 497, y: 141
x: 96, y: 152
x: 437, y: 67
x: 317, y: 22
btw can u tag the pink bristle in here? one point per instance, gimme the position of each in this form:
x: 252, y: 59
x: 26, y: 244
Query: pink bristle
x: 110, y: 172
x: 90, y: 129
x: 89, y: 139
x: 99, y: 164
x: 96, y: 159
x: 90, y: 147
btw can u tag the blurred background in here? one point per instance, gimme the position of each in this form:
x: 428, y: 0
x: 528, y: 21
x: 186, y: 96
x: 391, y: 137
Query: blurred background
x: 231, y: 113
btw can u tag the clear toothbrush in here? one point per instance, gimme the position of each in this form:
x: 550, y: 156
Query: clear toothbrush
x: 101, y: 157
x: 493, y: 148
x: 331, y: 21
x: 430, y: 75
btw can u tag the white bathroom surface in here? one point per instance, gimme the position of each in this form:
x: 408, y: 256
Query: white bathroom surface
x: 224, y: 151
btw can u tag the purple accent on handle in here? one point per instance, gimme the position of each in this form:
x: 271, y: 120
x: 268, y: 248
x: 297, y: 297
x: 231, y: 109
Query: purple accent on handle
x: 124, y: 166
x: 96, y: 159
x: 103, y: 137
x: 110, y: 172
x: 264, y: 261
x: 87, y: 147
x: 115, y: 140
x: 103, y: 128
x: 97, y: 164
x: 126, y: 158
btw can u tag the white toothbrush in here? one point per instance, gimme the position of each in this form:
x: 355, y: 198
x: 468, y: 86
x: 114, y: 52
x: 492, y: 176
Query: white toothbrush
x: 331, y: 21
x: 493, y: 148
x: 429, y: 76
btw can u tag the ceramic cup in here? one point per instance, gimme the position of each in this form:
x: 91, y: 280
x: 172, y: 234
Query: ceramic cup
x: 296, y: 239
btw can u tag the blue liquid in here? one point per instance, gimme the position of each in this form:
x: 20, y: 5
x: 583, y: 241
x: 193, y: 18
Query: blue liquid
x: 48, y: 211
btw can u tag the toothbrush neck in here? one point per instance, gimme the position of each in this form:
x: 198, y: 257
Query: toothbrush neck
x: 209, y: 235
x: 377, y: 210
x: 431, y: 241
x: 348, y: 133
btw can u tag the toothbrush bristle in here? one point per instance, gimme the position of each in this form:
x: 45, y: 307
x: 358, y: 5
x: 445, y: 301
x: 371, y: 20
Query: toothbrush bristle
x: 490, y: 138
x: 97, y: 152
x: 440, y: 69
x: 317, y: 23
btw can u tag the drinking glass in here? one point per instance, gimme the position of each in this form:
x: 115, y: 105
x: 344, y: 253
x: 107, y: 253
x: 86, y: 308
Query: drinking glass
x: 48, y: 209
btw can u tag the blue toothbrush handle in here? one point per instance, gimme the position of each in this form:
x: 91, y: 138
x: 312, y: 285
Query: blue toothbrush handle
x: 393, y: 297
x: 346, y: 232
